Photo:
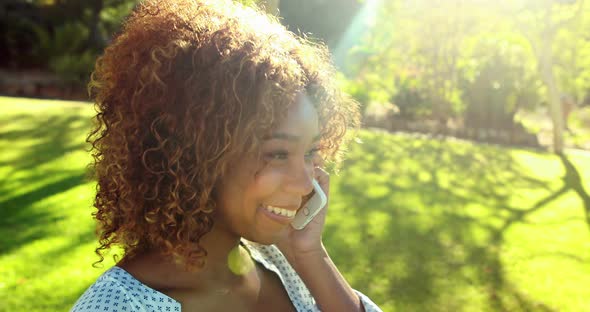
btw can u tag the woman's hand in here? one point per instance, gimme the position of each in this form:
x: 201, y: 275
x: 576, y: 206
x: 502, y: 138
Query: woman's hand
x: 301, y: 243
x: 306, y: 254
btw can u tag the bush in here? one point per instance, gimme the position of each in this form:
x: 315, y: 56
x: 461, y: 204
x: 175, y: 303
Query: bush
x: 65, y: 52
x: 410, y: 99
x: 499, y: 80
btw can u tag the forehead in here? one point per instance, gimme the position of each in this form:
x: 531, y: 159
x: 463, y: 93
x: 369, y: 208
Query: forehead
x: 301, y: 121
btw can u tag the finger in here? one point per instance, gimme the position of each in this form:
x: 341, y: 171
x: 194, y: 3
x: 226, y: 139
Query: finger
x: 323, y: 178
x: 318, y: 161
x: 321, y: 175
x: 320, y: 172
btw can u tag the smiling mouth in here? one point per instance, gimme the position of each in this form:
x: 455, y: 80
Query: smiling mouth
x: 280, y: 211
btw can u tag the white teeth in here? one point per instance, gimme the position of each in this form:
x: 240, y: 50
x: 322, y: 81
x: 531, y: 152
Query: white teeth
x: 280, y: 211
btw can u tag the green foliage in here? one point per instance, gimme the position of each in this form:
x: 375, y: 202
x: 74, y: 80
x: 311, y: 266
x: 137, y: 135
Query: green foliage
x: 62, y: 36
x: 572, y: 57
x: 457, y: 56
x: 113, y: 15
x: 18, y: 36
x: 411, y: 98
x: 74, y: 68
x: 357, y: 90
x: 65, y: 53
x: 498, y: 77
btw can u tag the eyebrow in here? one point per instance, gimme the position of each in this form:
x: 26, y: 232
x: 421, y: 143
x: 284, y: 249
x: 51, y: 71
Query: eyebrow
x: 288, y: 137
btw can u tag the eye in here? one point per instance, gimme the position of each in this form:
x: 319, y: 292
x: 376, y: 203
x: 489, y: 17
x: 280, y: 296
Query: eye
x: 312, y: 153
x: 283, y: 155
x: 276, y: 155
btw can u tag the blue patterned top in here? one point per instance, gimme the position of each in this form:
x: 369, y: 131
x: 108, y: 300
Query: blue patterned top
x: 118, y: 291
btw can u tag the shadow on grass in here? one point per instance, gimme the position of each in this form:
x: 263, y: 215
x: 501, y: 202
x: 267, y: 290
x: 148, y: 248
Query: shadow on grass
x: 20, y: 224
x: 430, y: 215
x: 52, y: 137
x: 33, y: 140
x: 573, y: 181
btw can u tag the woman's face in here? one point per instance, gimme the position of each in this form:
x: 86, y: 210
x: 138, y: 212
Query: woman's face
x: 278, y: 181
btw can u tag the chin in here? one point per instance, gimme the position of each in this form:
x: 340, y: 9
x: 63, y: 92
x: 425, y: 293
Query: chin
x: 266, y: 238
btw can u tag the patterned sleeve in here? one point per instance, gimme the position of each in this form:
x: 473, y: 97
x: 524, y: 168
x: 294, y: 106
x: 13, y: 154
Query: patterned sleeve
x: 103, y: 296
x: 368, y: 304
x: 118, y: 291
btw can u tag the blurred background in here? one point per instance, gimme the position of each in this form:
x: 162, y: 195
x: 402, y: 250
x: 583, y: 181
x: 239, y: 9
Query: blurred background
x: 466, y: 190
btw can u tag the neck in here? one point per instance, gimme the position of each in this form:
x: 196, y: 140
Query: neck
x: 160, y: 272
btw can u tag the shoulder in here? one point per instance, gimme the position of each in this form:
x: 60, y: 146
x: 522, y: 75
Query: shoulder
x: 108, y: 292
x: 273, y: 260
x: 116, y: 290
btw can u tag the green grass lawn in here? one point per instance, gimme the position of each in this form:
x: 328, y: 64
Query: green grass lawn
x: 417, y: 224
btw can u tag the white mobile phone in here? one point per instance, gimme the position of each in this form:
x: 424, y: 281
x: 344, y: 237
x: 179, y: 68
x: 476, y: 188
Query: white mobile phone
x: 311, y: 208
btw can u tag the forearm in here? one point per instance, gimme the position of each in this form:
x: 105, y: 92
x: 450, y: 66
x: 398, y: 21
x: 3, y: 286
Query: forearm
x: 329, y: 288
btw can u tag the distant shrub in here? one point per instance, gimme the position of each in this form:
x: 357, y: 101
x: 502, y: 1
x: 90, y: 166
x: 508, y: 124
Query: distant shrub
x: 499, y: 80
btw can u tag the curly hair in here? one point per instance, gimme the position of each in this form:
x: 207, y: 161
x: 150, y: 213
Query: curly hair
x: 186, y: 87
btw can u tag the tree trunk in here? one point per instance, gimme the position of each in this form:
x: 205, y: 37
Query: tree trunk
x: 546, y: 66
x: 95, y: 40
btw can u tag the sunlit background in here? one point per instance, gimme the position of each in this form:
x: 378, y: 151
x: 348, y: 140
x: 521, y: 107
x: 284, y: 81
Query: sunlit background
x: 466, y: 190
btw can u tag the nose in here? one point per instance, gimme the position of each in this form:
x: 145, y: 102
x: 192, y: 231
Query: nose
x: 300, y: 178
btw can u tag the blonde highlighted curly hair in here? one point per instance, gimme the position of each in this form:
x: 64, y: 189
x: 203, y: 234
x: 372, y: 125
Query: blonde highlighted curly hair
x: 185, y: 89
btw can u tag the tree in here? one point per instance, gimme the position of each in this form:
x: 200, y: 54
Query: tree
x: 421, y: 41
x: 63, y: 36
x: 540, y: 22
x: 498, y: 78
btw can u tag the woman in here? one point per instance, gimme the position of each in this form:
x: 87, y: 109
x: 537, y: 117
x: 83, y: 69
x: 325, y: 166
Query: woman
x: 213, y: 120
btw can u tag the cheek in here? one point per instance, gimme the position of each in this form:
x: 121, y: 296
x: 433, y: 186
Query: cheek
x: 268, y: 180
